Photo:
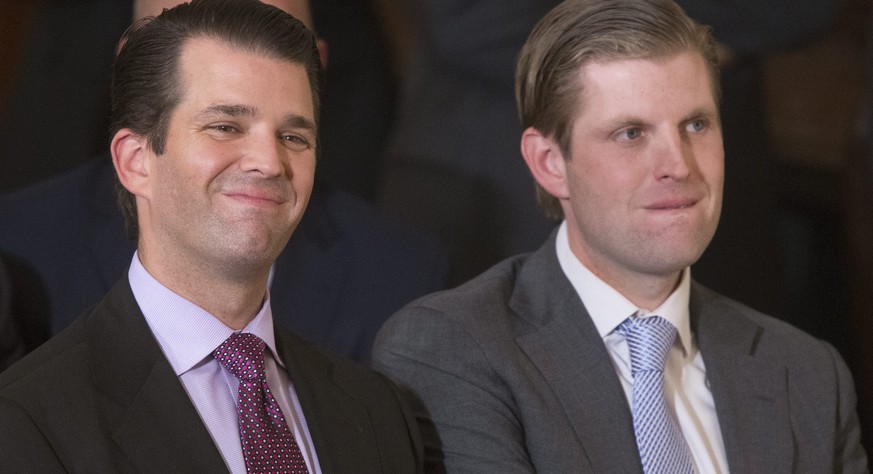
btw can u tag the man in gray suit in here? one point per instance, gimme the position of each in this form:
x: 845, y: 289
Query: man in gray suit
x: 537, y: 365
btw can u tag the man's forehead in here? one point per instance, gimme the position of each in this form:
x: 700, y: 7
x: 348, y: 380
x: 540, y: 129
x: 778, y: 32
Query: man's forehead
x: 205, y: 56
x: 297, y: 8
x: 613, y: 64
x: 616, y: 91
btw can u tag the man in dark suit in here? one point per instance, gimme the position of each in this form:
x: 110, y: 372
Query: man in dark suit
x: 598, y: 353
x: 180, y: 367
x: 66, y: 239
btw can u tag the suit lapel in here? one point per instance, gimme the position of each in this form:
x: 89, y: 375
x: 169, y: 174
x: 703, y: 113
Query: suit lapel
x: 749, y: 389
x: 340, y: 427
x: 571, y: 356
x: 150, y: 416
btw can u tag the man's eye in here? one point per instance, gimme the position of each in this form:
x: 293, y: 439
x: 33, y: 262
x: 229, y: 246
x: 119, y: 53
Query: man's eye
x: 631, y: 133
x: 295, y: 142
x: 696, y: 125
x: 223, y: 128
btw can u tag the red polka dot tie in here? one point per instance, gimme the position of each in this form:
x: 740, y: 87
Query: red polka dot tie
x: 267, y: 443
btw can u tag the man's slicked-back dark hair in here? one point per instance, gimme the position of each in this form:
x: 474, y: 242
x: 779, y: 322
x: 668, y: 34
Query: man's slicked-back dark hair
x: 146, y: 83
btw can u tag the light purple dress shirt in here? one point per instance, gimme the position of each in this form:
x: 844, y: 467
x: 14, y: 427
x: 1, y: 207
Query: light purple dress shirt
x: 187, y: 335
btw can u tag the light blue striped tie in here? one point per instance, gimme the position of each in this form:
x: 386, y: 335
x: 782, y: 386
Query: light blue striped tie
x: 662, y: 447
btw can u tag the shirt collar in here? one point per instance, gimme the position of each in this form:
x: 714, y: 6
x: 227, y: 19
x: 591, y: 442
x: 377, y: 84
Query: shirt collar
x: 608, y: 308
x: 186, y: 332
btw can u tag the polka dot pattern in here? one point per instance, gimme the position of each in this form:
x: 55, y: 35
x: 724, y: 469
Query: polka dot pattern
x: 268, y: 445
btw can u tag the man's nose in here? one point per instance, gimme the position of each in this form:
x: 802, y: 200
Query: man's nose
x: 674, y: 156
x: 263, y: 154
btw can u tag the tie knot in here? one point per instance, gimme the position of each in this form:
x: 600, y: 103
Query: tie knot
x: 649, y: 340
x: 243, y: 355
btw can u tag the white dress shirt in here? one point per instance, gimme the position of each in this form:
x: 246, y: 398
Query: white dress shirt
x: 689, y: 398
x: 187, y: 335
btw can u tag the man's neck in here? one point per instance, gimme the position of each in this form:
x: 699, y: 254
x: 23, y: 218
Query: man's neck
x: 648, y: 293
x: 233, y: 298
x: 644, y: 290
x: 233, y: 305
x: 644, y: 287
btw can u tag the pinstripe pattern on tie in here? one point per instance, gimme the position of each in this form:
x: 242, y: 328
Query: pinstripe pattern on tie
x: 661, y: 444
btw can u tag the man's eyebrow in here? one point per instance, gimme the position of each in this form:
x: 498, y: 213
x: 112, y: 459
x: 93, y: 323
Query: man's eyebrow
x: 706, y: 112
x: 622, y: 121
x: 299, y: 121
x: 238, y: 110
x: 628, y: 121
x: 232, y: 110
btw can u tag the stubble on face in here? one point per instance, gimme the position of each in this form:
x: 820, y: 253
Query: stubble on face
x: 234, y: 240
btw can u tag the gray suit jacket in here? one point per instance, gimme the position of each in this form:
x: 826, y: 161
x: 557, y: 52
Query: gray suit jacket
x: 512, y: 376
x: 101, y: 397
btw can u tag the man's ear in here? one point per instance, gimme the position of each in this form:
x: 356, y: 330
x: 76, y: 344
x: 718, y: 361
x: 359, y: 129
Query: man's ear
x: 322, y: 52
x: 130, y: 156
x: 545, y: 161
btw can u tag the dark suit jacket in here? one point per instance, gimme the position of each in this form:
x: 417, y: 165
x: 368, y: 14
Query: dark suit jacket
x: 101, y: 397
x: 516, y: 378
x: 344, y: 271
